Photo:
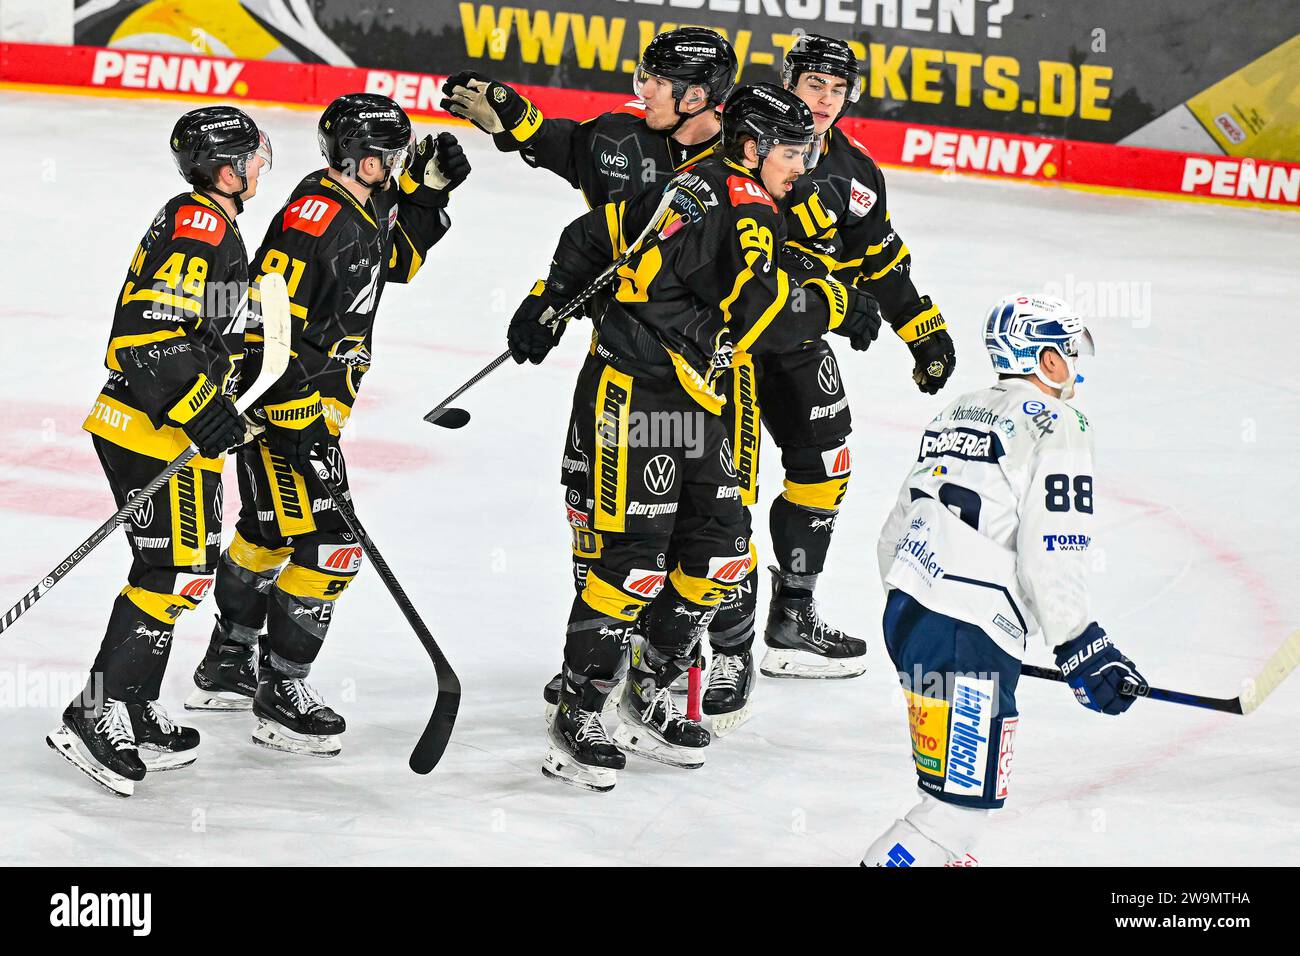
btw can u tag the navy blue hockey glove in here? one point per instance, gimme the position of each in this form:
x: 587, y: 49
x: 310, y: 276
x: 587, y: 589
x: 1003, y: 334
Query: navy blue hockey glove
x: 533, y: 330
x: 1098, y: 672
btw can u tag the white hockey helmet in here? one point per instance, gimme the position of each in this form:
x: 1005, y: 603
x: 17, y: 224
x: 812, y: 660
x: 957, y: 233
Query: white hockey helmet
x: 1020, y: 326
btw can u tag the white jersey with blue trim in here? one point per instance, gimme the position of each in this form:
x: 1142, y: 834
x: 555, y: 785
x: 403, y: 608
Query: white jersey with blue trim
x: 995, y: 520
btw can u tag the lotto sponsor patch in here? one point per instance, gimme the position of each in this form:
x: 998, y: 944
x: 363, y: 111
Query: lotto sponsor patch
x: 344, y: 559
x: 743, y: 190
x: 927, y: 719
x: 311, y: 214
x: 196, y: 222
x: 645, y: 583
x: 729, y: 569
x: 837, y: 461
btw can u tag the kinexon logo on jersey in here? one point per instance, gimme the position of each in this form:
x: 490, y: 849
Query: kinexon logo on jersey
x: 968, y: 736
x: 927, y: 718
x: 311, y: 214
x: 195, y: 222
x: 346, y: 560
x: 744, y: 191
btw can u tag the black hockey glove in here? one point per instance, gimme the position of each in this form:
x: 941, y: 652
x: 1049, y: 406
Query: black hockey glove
x: 926, y: 335
x: 294, y: 429
x: 1098, y: 672
x: 534, y: 330
x: 439, y: 165
x: 861, y: 322
x: 208, y: 418
x: 491, y: 106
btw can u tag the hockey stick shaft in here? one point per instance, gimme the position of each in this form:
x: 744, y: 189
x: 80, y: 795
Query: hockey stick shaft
x: 437, y: 733
x: 275, y: 358
x: 572, y: 307
x: 1228, y: 705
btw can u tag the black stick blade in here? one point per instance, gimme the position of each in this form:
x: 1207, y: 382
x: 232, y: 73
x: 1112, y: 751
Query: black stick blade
x: 429, y: 748
x: 448, y: 417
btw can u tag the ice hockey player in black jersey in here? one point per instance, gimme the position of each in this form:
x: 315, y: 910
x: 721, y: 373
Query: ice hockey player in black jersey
x: 170, y: 384
x: 682, y: 78
x: 346, y: 231
x: 654, y: 518
x: 838, y: 216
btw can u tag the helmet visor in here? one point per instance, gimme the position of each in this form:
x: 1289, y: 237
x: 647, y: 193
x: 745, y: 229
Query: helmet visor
x: 262, y: 152
x: 819, y: 76
x: 1080, y: 344
x: 773, y: 146
x: 396, y: 160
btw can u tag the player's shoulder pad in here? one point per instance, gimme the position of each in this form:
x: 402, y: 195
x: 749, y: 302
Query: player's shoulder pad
x: 633, y: 108
x: 198, y: 222
x: 742, y: 191
x: 695, y: 195
x: 311, y: 212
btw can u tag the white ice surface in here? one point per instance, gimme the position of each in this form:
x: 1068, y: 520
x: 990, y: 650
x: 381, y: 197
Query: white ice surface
x: 1197, y: 415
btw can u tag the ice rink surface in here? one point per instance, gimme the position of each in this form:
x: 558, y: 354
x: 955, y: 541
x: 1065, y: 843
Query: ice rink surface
x: 1195, y: 401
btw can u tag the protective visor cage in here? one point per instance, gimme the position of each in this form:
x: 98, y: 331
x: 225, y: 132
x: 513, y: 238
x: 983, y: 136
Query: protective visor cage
x: 766, y: 143
x: 794, y: 71
x: 1019, y: 327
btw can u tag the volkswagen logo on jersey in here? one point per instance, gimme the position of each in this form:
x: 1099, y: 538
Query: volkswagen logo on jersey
x: 334, y: 459
x: 143, y: 516
x: 828, y: 375
x: 659, y: 474
x: 725, y: 459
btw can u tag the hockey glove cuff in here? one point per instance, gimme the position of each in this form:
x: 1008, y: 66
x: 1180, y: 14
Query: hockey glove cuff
x: 493, y: 107
x: 933, y: 353
x: 208, y: 418
x: 1097, y: 671
x: 534, y: 330
x: 861, y: 317
x: 294, y: 429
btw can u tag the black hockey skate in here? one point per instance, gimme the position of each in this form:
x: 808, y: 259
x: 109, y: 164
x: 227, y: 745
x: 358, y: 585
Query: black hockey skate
x: 163, y: 744
x: 551, y: 695
x: 293, y: 718
x: 226, y: 678
x: 581, y: 752
x: 653, y: 727
x: 100, y: 743
x: 728, y: 690
x: 799, y: 642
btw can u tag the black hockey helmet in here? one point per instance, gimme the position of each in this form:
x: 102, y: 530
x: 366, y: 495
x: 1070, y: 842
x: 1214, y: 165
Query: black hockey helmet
x: 690, y: 56
x: 357, y: 125
x: 770, y: 116
x: 210, y: 137
x: 816, y: 54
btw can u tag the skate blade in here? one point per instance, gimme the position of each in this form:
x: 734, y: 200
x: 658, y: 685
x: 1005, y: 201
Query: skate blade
x: 65, y: 743
x: 273, y: 736
x: 217, y: 700
x: 782, y: 662
x: 158, y: 761
x: 723, y: 724
x: 643, y: 743
x: 558, y: 765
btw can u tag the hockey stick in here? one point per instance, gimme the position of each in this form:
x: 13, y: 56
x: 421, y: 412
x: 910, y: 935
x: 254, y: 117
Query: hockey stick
x: 275, y: 359
x: 1282, y: 663
x: 448, y: 417
x: 429, y: 748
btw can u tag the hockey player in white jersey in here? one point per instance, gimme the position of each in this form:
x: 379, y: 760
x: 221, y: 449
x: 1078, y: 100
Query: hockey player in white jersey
x: 987, y: 545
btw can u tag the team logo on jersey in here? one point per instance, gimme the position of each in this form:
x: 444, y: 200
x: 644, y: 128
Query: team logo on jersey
x: 861, y: 198
x: 345, y: 560
x: 837, y: 461
x: 828, y: 375
x: 660, y: 473
x: 729, y: 570
x: 744, y: 190
x: 644, y: 582
x: 310, y: 214
x: 196, y: 222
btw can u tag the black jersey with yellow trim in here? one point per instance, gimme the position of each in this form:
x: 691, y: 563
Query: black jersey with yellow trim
x: 611, y: 157
x: 839, y: 214
x: 712, y: 289
x: 337, y: 254
x: 180, y: 315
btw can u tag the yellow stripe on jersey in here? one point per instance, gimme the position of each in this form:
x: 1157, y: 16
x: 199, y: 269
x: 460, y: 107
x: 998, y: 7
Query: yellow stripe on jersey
x: 189, y: 527
x: 289, y: 497
x: 308, y: 582
x: 254, y: 557
x: 902, y: 253
x: 613, y: 405
x: 770, y: 313
x: 607, y: 599
x: 162, y: 298
x: 130, y: 428
x: 144, y: 338
x: 698, y: 590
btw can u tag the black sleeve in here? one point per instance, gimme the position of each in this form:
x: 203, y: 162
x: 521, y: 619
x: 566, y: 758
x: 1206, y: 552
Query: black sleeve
x: 556, y: 145
x: 421, y: 221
